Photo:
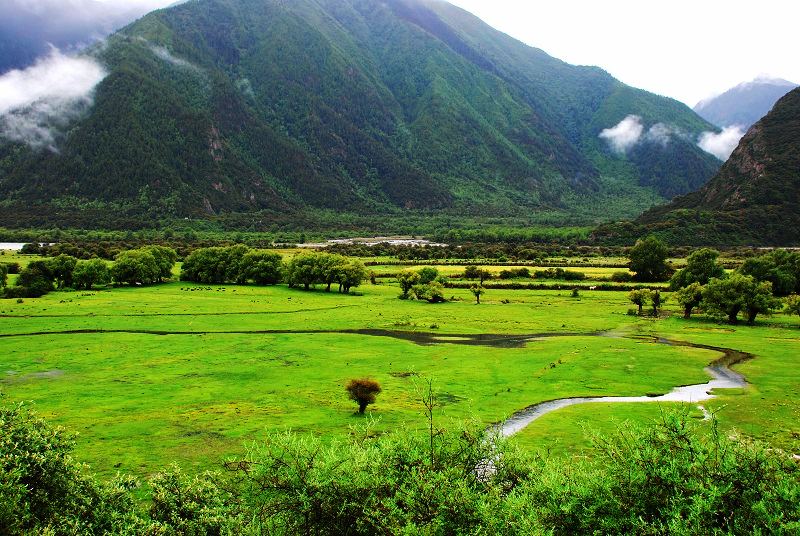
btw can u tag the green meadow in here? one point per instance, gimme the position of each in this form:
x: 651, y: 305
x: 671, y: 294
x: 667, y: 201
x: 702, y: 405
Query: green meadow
x: 192, y: 373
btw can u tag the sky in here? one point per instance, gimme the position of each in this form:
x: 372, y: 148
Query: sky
x: 685, y: 49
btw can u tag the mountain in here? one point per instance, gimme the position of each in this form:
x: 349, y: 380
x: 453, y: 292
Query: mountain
x: 28, y: 28
x: 754, y: 199
x: 216, y: 107
x: 744, y: 104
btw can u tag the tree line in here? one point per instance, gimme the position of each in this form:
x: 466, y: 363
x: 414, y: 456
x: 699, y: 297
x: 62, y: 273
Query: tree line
x: 143, y: 266
x: 755, y: 288
x: 239, y: 264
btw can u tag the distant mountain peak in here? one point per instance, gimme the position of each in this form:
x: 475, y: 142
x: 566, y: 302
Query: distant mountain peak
x: 745, y: 103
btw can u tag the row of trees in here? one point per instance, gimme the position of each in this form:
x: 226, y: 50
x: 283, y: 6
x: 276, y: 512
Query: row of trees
x: 151, y: 264
x: 240, y: 264
x: 753, y: 289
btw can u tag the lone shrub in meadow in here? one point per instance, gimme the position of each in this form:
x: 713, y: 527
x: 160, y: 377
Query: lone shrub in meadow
x: 432, y: 292
x: 363, y: 392
x: 477, y: 291
x: 427, y: 275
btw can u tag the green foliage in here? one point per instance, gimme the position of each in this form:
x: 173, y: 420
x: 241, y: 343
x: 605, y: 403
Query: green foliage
x: 477, y: 291
x: 670, y: 479
x: 407, y: 280
x: 432, y: 292
x: 3, y: 276
x: 427, y: 275
x: 263, y: 267
x: 136, y: 267
x: 621, y: 277
x: 649, y: 260
x: 559, y: 273
x: 689, y: 297
x: 701, y: 267
x: 44, y: 490
x: 90, y: 273
x: 780, y: 267
x: 793, y: 304
x: 727, y: 297
x: 62, y: 267
x: 640, y: 297
x: 35, y: 280
x: 181, y: 504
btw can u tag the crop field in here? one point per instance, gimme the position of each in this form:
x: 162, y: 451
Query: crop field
x: 191, y: 373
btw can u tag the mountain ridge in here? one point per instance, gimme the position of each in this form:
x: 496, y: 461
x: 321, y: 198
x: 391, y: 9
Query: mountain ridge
x: 224, y: 106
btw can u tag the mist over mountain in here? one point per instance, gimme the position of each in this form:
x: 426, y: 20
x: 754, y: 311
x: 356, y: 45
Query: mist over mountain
x: 216, y: 107
x: 28, y: 28
x: 744, y: 104
x: 754, y: 199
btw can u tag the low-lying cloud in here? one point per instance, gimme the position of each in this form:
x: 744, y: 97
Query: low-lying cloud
x: 721, y: 144
x: 165, y: 55
x: 631, y: 131
x: 35, y: 103
x: 625, y: 134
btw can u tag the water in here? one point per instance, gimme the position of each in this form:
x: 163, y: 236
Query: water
x: 11, y: 246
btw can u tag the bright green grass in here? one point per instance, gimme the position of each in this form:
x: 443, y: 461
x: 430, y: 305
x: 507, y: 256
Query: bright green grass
x: 141, y: 401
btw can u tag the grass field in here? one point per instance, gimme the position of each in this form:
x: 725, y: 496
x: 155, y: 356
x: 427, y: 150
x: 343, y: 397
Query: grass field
x: 190, y: 373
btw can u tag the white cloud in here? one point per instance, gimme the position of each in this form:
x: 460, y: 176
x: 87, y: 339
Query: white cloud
x: 721, y: 145
x: 625, y: 134
x: 661, y: 134
x: 36, y: 102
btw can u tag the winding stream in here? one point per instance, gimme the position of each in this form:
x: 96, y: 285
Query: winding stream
x: 722, y: 377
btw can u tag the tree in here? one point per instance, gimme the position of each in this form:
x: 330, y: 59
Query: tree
x: 648, y: 259
x: 407, y: 280
x: 36, y: 279
x: 701, y: 267
x: 90, y: 273
x: 477, y: 291
x: 263, y: 267
x: 304, y: 269
x: 656, y: 300
x: 3, y: 275
x: 363, y: 392
x: 689, y: 297
x: 471, y: 272
x: 62, y: 267
x: 779, y: 267
x: 135, y: 267
x: 760, y: 300
x: 165, y: 260
x: 428, y: 274
x: 432, y: 292
x: 330, y: 268
x: 640, y: 297
x: 350, y: 275
x: 793, y: 305
x: 728, y: 297
x: 206, y: 265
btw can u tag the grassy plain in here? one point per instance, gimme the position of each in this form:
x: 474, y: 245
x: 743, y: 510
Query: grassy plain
x: 190, y: 372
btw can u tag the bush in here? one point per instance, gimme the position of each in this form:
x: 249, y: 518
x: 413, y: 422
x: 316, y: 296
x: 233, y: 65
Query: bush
x: 363, y: 392
x: 622, y: 277
x: 432, y: 292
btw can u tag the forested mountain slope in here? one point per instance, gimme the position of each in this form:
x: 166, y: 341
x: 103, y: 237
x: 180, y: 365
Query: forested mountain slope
x: 754, y: 199
x: 221, y: 106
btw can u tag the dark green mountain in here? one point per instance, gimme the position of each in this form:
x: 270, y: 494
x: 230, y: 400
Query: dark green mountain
x: 754, y: 199
x: 364, y: 106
